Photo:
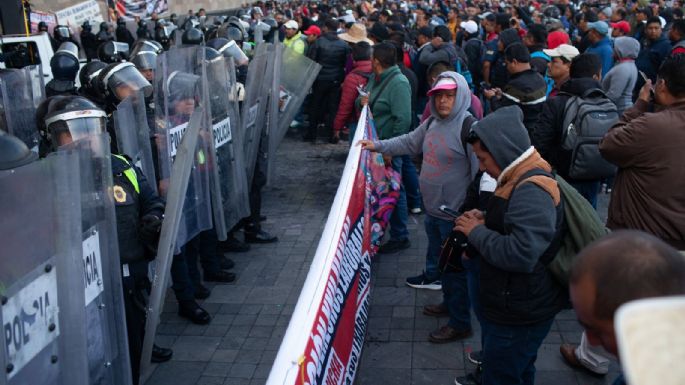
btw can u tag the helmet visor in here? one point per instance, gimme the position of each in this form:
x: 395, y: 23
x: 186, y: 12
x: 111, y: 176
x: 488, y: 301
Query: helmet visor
x: 75, y: 125
x: 124, y: 80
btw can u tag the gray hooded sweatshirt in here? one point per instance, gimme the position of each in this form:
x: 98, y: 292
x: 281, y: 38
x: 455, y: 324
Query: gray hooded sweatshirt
x: 619, y: 82
x: 447, y: 171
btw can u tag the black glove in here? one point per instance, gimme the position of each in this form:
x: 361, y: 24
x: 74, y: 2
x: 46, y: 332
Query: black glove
x: 150, y: 227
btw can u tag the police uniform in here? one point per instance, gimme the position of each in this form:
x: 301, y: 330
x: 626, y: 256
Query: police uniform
x: 134, y: 199
x: 498, y: 68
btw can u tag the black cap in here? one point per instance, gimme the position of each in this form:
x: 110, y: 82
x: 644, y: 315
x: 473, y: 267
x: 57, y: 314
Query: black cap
x: 379, y: 31
x: 518, y: 52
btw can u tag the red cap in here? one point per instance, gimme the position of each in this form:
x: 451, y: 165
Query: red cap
x: 556, y: 39
x: 623, y: 26
x: 313, y: 30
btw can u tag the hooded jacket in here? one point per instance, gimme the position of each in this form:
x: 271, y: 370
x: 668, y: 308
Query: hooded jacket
x: 650, y: 58
x: 522, y: 229
x: 649, y: 190
x: 619, y: 82
x: 548, y: 129
x: 359, y: 76
x: 447, y: 170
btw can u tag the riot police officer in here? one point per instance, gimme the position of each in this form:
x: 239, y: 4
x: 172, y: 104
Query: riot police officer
x: 105, y: 33
x: 113, y: 51
x: 89, y: 41
x: 86, y: 75
x: 64, y: 66
x: 122, y: 33
x: 142, y: 32
x: 62, y: 34
x: 192, y: 36
x: 139, y: 211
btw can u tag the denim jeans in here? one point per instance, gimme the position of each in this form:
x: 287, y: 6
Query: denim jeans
x: 509, y: 352
x: 398, y: 219
x: 589, y: 190
x: 437, y: 230
x: 472, y: 266
x: 410, y: 181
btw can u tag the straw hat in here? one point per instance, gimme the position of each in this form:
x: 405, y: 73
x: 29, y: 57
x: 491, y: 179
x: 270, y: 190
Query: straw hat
x: 356, y: 34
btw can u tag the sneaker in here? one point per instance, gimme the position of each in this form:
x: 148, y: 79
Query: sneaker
x: 476, y: 357
x: 394, y: 246
x: 447, y: 333
x: 295, y: 124
x: 421, y: 282
x: 416, y: 210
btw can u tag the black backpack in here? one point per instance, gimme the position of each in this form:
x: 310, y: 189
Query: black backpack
x: 587, y: 118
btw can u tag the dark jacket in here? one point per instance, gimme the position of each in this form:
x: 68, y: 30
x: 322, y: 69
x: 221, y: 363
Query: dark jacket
x: 528, y: 90
x: 124, y: 36
x: 90, y: 45
x: 649, y: 190
x: 133, y: 199
x: 474, y: 48
x: 331, y: 52
x: 414, y: 86
x: 522, y: 228
x: 650, y: 58
x: 547, y: 130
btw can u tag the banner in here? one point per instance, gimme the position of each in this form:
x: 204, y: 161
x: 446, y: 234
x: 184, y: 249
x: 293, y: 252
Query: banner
x: 75, y: 15
x: 35, y: 17
x: 140, y: 8
x: 325, y: 337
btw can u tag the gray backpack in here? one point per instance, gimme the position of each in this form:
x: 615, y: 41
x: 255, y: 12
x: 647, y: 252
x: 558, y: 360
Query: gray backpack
x: 587, y: 119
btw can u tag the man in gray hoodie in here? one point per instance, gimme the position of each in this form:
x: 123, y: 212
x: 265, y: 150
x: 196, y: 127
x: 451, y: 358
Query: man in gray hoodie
x: 620, y: 81
x: 448, y: 168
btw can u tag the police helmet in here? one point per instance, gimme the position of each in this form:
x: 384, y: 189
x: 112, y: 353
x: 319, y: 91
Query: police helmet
x: 113, y: 51
x: 192, y: 36
x: 118, y: 80
x: 61, y: 33
x: 232, y: 33
x: 87, y: 74
x: 86, y: 26
x: 145, y: 45
x: 181, y: 86
x: 14, y: 153
x: 218, y: 20
x: 42, y: 27
x: 64, y: 64
x: 104, y: 26
x: 74, y: 116
x: 121, y: 22
x: 145, y: 60
x: 229, y: 48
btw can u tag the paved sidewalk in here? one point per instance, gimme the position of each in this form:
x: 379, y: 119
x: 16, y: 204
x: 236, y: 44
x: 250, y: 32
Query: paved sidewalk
x: 250, y: 316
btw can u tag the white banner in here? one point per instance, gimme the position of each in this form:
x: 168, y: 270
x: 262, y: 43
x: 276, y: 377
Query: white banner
x: 77, y: 14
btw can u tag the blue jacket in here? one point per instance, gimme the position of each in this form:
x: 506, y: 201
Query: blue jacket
x: 605, y: 52
x: 651, y: 56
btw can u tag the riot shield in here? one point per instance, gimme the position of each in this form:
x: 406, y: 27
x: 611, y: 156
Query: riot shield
x: 254, y: 106
x: 230, y: 200
x: 269, y: 134
x: 178, y: 93
x: 298, y: 73
x: 134, y: 135
x: 181, y: 174
x: 21, y: 90
x: 41, y: 274
x: 108, y: 356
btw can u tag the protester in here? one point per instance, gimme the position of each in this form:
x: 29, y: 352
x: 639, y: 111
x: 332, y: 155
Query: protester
x: 600, y: 44
x: 346, y: 117
x: 677, y: 37
x: 655, y: 48
x: 621, y: 267
x: 389, y: 99
x: 559, y: 67
x: 516, y: 237
x: 644, y: 141
x: 620, y: 81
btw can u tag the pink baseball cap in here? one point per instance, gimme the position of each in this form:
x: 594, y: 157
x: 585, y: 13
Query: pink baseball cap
x: 445, y: 83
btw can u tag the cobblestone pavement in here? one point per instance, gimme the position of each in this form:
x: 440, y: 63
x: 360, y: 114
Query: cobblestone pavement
x: 251, y: 315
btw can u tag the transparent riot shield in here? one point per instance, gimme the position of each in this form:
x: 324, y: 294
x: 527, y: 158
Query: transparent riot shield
x: 181, y: 174
x: 255, y: 106
x: 21, y: 90
x: 108, y: 356
x: 41, y: 274
x: 178, y: 93
x: 230, y: 200
x: 298, y: 73
x: 270, y: 141
x: 134, y: 135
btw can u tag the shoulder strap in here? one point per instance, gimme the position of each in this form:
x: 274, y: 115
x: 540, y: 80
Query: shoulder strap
x: 541, y: 178
x: 382, y: 87
x: 466, y: 129
x: 591, y: 91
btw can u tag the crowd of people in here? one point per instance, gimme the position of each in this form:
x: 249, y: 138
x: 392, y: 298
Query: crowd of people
x: 481, y: 107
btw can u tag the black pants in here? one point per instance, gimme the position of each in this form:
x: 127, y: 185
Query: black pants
x: 324, y: 100
x: 135, y: 285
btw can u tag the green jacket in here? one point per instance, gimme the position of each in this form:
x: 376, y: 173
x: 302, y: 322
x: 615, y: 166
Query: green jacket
x: 392, y: 108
